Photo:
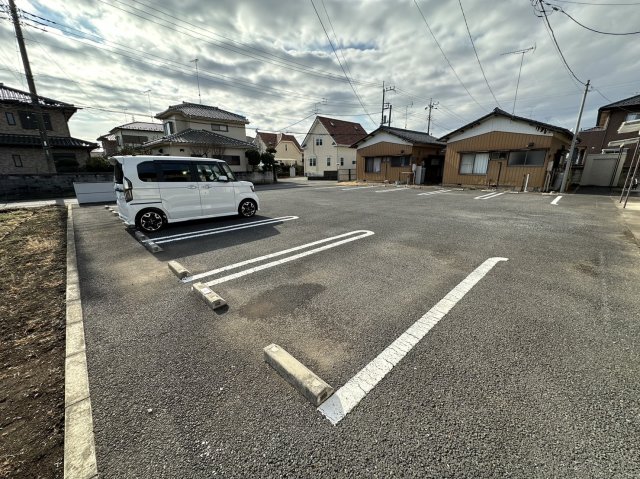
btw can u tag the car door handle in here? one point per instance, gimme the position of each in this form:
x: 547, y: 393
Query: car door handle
x: 205, y: 187
x: 192, y: 187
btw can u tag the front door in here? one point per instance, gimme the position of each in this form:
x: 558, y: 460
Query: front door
x: 179, y: 190
x: 216, y: 197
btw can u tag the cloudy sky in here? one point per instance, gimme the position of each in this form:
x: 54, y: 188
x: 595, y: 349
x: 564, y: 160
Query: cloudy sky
x: 274, y: 61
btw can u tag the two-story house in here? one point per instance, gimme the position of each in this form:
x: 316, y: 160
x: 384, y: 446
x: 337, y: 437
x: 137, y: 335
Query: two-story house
x: 130, y: 135
x: 327, y: 146
x: 610, y: 117
x: 287, y: 148
x: 21, y: 149
x: 191, y: 129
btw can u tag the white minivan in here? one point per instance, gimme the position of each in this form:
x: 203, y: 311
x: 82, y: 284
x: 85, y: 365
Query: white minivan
x: 152, y: 191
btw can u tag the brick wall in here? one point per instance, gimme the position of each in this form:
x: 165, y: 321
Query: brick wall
x: 27, y: 187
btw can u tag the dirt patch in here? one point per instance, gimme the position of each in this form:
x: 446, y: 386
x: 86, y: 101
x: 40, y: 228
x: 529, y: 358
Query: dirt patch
x: 282, y: 300
x: 32, y: 342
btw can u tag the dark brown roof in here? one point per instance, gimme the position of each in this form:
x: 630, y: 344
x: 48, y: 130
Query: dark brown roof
x: 412, y: 136
x: 292, y: 139
x: 499, y: 112
x: 343, y: 132
x: 195, y: 110
x: 199, y: 137
x: 631, y: 101
x: 55, y: 141
x: 268, y: 139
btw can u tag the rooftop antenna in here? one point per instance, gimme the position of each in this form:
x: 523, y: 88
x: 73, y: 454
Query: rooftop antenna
x: 149, y: 99
x: 195, y: 60
x: 526, y: 50
x: 406, y: 114
x: 316, y: 108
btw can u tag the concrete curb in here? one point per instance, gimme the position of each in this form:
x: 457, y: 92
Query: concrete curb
x: 212, y: 299
x: 179, y: 270
x: 147, y: 243
x: 305, y: 381
x: 79, y: 446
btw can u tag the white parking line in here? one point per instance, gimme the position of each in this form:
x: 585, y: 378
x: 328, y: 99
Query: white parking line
x: 348, y: 396
x: 222, y: 229
x: 489, y: 196
x: 429, y: 193
x: 349, y: 237
x: 555, y: 202
x: 392, y: 189
x: 358, y: 188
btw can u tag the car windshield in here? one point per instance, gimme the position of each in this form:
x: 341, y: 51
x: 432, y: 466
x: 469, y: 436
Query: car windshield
x: 228, y: 172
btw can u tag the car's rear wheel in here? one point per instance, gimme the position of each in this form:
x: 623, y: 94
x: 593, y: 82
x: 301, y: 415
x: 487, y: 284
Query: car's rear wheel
x: 247, y: 208
x: 151, y: 221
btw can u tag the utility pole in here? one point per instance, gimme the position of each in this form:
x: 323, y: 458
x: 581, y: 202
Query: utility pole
x: 385, y: 106
x: 406, y: 114
x: 567, y: 166
x: 522, y: 52
x: 431, y: 106
x: 390, y: 108
x: 195, y: 60
x: 32, y: 88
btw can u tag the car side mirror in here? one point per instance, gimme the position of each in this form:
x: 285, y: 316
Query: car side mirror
x: 222, y: 178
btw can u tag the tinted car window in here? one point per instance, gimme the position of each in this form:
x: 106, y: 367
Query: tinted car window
x: 174, y: 172
x: 147, y: 171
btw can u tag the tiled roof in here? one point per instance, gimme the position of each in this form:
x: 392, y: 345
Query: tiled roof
x: 139, y: 125
x: 343, y: 132
x: 292, y: 139
x: 195, y: 110
x: 198, y: 137
x: 268, y: 139
x: 412, y: 136
x: 12, y: 95
x: 55, y: 141
x: 499, y: 112
x: 107, y: 137
x: 631, y: 101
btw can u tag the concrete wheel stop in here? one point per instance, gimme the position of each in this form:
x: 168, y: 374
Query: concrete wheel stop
x: 147, y: 243
x: 177, y: 269
x: 305, y: 381
x: 211, y: 298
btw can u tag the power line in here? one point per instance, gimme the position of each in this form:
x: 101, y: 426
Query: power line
x: 476, y: 53
x: 445, y: 57
x: 560, y: 9
x: 599, y: 4
x: 339, y: 63
x: 553, y: 36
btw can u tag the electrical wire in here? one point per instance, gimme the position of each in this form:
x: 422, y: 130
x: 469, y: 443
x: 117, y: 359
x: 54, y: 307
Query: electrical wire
x: 476, y: 53
x: 599, y: 4
x: 561, y: 10
x: 339, y: 63
x: 445, y: 57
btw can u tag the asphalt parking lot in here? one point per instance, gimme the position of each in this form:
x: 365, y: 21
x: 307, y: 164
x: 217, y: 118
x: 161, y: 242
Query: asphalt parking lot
x: 532, y: 373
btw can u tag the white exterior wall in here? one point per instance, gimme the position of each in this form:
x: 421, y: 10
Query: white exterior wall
x: 499, y: 123
x: 236, y: 131
x: 328, y: 149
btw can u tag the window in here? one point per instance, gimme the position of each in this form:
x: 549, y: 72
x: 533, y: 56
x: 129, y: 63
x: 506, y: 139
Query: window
x: 329, y: 161
x: 231, y: 159
x: 474, y: 163
x: 312, y: 162
x: 168, y: 128
x: 147, y: 171
x: 174, y: 172
x: 398, y: 161
x: 209, y: 171
x: 134, y: 139
x: 527, y: 158
x: 217, y: 127
x: 341, y: 161
x: 318, y: 141
x: 372, y: 165
x: 10, y: 118
x: 17, y: 161
x: 632, y: 116
x: 285, y: 147
x: 353, y: 162
x: 29, y: 121
x: 227, y: 170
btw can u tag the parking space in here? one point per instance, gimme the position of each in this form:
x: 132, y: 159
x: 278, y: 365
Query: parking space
x: 469, y: 331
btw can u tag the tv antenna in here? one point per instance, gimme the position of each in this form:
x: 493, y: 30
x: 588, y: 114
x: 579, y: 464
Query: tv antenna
x: 195, y: 60
x: 519, y: 52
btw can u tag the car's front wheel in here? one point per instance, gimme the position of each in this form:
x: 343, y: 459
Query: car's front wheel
x: 151, y: 221
x: 247, y: 208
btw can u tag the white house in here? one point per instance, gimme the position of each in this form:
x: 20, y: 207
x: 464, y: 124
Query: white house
x: 191, y: 129
x: 327, y: 146
x: 131, y: 135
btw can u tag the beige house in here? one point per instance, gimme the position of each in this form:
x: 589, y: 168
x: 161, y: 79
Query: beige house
x: 191, y: 129
x: 129, y: 135
x: 20, y: 143
x: 288, y: 149
x: 503, y: 150
x: 327, y: 147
